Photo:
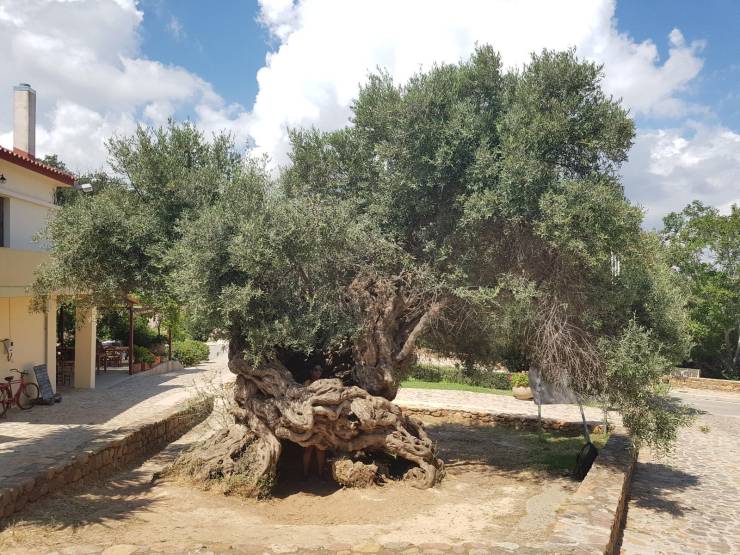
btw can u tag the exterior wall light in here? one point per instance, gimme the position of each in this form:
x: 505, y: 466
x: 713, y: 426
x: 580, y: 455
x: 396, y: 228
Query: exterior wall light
x: 84, y: 187
x: 2, y: 178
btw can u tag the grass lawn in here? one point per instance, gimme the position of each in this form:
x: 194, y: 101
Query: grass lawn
x: 507, y: 448
x: 557, y: 452
x: 418, y: 384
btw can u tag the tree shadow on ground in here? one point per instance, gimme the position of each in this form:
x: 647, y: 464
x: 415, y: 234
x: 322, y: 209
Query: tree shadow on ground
x: 120, y: 498
x: 654, y: 481
x: 500, y: 450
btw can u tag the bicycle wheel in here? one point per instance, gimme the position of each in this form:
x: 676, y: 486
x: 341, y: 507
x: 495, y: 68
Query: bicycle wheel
x: 4, y: 401
x: 29, y: 394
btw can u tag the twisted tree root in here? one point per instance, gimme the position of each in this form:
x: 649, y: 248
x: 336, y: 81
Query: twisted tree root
x: 270, y: 406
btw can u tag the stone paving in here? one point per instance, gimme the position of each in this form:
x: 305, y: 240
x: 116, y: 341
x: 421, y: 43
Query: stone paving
x: 31, y: 441
x: 398, y: 548
x: 487, y: 402
x: 40, y: 437
x: 689, y: 503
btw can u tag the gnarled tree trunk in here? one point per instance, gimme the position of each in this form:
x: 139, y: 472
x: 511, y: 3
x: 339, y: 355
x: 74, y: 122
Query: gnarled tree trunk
x: 349, y: 413
x: 395, y: 317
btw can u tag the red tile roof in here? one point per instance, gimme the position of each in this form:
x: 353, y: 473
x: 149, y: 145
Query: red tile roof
x: 29, y: 162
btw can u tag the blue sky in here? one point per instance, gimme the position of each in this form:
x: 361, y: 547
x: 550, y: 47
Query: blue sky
x: 256, y: 67
x: 227, y: 46
x: 717, y: 22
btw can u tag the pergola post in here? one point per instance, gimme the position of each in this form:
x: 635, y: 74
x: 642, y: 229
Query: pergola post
x: 130, y: 337
x: 62, y: 348
x: 51, y: 341
x: 85, y: 349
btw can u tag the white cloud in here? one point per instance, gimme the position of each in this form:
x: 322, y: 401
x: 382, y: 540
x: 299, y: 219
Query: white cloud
x: 175, y: 28
x: 83, y: 59
x: 326, y: 48
x: 669, y: 168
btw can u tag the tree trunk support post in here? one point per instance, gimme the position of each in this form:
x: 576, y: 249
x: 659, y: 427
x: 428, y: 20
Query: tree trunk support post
x: 169, y: 343
x: 586, y: 433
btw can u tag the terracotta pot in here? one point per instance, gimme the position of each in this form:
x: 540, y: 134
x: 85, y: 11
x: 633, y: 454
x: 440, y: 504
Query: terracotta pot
x: 523, y: 393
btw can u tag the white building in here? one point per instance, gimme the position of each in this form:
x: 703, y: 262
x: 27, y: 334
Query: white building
x: 27, y: 192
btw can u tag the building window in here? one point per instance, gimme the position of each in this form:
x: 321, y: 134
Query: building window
x: 3, y: 219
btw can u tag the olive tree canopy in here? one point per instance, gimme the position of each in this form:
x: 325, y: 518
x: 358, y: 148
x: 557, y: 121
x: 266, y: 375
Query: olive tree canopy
x: 475, y: 210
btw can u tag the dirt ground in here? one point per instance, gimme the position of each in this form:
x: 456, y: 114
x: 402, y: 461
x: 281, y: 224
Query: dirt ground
x: 492, y: 492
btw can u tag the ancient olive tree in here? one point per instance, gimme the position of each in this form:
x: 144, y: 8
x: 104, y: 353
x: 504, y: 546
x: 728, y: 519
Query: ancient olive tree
x: 473, y: 209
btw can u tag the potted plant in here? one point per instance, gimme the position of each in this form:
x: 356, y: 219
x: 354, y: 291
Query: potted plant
x: 520, y: 386
x: 148, y: 359
x: 144, y: 357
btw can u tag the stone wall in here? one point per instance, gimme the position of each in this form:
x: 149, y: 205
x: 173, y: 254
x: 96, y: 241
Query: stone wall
x: 104, y: 455
x: 706, y: 383
x: 163, y: 368
x: 683, y: 373
x: 592, y: 519
x: 516, y: 421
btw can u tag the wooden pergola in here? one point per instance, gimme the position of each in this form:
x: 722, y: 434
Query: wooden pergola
x: 90, y: 357
x: 134, y: 307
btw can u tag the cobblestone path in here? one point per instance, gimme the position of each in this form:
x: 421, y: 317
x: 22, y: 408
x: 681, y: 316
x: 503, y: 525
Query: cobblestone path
x: 690, y: 502
x: 31, y: 441
x: 487, y: 402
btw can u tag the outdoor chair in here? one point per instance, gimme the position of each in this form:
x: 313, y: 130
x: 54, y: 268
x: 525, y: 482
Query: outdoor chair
x: 65, y: 373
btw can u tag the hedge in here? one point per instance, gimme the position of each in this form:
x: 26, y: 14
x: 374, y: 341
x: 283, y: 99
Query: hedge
x: 189, y: 352
x: 481, y: 377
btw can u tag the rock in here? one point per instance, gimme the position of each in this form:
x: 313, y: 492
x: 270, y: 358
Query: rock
x: 353, y: 474
x: 81, y: 550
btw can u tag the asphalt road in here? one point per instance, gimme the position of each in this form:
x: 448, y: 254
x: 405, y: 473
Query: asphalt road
x: 716, y: 403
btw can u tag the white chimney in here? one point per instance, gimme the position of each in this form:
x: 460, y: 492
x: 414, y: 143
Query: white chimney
x: 24, y: 119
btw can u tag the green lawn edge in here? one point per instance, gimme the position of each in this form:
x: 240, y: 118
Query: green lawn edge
x: 419, y: 384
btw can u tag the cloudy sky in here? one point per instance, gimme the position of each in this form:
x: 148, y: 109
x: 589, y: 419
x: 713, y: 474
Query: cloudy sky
x: 255, y: 67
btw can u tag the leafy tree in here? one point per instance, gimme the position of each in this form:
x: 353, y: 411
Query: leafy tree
x: 473, y: 209
x: 54, y: 161
x: 704, y: 247
x: 113, y: 242
x: 634, y: 368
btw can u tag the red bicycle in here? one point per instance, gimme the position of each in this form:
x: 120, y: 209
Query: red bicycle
x: 24, y: 397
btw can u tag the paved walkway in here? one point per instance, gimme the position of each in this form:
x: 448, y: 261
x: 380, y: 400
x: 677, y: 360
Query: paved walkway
x: 690, y: 502
x: 488, y: 402
x: 31, y: 441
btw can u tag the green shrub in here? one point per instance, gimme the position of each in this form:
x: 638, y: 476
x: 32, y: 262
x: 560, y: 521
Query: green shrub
x: 142, y: 354
x: 427, y: 373
x: 499, y: 380
x: 476, y: 375
x: 189, y: 352
x: 520, y: 379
